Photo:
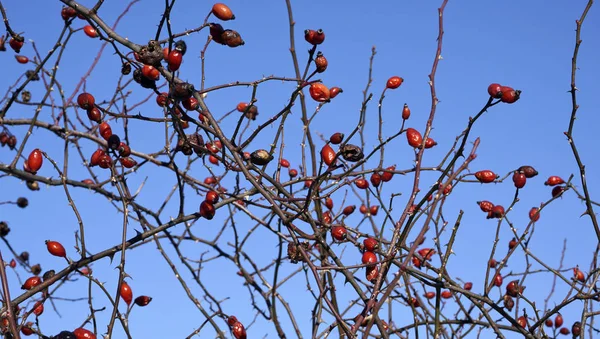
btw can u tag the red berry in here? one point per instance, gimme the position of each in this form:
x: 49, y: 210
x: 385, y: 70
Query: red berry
x: 327, y: 217
x: 339, y: 233
x: 519, y: 179
x: 447, y: 189
x: 554, y: 180
x: 293, y: 173
x: 124, y: 149
x: 497, y: 212
x: 238, y: 330
x: 126, y: 293
x: 150, y: 72
x: 142, y: 300
x: 26, y: 329
x: 564, y: 331
x: 222, y: 12
x: 284, y: 163
x: 212, y: 197
x: 161, y: 99
x: 207, y: 210
x: 394, y: 82
x: 446, y: 294
x: 485, y: 176
x: 374, y: 209
x: 485, y: 205
x: 498, y: 280
x: 495, y: 90
x: 549, y: 323
x: 105, y: 161
x: 558, y: 320
x: 328, y: 155
x: 414, y: 302
x: 522, y: 321
x: 32, y: 282
x: 90, y: 31
x: 174, y: 60
x: 529, y: 171
x: 388, y: 174
x: 416, y: 262
x: 429, y: 295
x: 16, y: 44
x: 94, y: 114
x: 86, y: 101
x: 468, y: 286
x: 329, y: 203
x: 314, y: 37
x: 38, y: 308
x: 307, y: 183
x: 361, y: 183
x: 35, y: 160
x: 128, y: 162
x: 363, y: 209
x: 348, y: 210
x: 371, y: 273
x: 68, y: 13
x: 371, y: 244
x: 213, y: 160
x: 429, y: 143
x: 427, y: 253
x: 82, y: 333
x: 514, y: 289
x: 512, y: 243
x: 414, y: 137
x: 191, y: 103
x: 320, y: 62
x: 319, y: 92
x: 105, y: 130
x: 576, y: 329
x: 375, y: 179
x: 95, y: 160
x: 405, y: 112
x: 336, y: 138
x: 22, y: 59
x: 557, y: 191
x: 578, y: 274
x: 56, y: 249
x: 334, y: 91
x: 534, y: 214
x: 509, y: 95
x: 369, y: 258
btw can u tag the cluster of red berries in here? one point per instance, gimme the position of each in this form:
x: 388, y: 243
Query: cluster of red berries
x: 207, y: 207
x: 7, y: 139
x: 101, y: 157
x: 318, y: 91
x: 426, y: 254
x: 369, y: 258
x: 292, y: 172
x: 227, y: 37
x: 558, y: 323
x: 415, y: 139
x: 16, y: 43
x: 505, y: 93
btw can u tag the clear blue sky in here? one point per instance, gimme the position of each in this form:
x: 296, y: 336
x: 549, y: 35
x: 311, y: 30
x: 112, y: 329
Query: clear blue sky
x: 524, y: 44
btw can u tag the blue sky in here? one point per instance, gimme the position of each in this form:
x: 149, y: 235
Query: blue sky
x: 526, y: 45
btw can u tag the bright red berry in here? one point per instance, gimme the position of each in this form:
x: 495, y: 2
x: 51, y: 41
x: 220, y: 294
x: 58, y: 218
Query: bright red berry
x: 56, y: 249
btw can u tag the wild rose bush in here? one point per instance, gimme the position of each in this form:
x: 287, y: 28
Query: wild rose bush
x: 165, y: 176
